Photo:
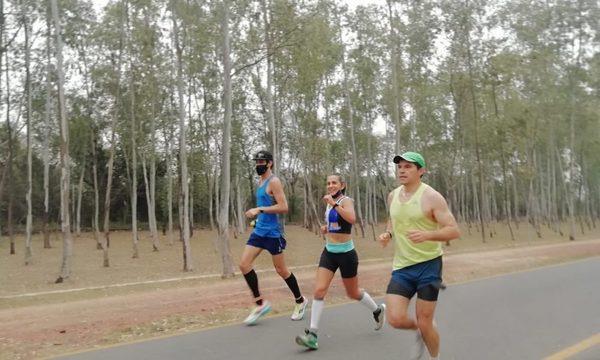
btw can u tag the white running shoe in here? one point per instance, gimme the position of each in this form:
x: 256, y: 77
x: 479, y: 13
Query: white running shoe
x: 418, y: 348
x: 257, y: 312
x: 380, y: 317
x: 299, y: 310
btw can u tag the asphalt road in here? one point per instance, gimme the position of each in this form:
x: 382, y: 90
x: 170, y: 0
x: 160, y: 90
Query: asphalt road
x: 527, y: 315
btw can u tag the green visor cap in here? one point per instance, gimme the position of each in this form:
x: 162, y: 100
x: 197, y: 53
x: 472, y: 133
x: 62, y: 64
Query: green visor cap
x: 412, y: 157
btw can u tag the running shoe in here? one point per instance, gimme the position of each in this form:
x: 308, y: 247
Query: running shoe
x: 257, y: 312
x: 309, y: 340
x: 379, y: 316
x: 418, y: 348
x: 299, y: 310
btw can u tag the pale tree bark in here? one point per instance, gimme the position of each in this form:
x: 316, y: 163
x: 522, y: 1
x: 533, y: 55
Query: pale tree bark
x: 27, y: 27
x: 9, y: 165
x: 185, y: 217
x: 152, y: 195
x: 223, y: 216
x: 65, y: 161
x: 46, y: 145
x: 169, y: 150
x: 95, y: 222
x: 113, y: 144
x: 133, y: 194
x: 211, y: 173
x: 150, y: 203
x: 79, y: 200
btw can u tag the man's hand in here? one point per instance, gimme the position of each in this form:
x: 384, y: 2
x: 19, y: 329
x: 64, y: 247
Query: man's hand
x: 417, y: 236
x: 384, y: 239
x: 251, y: 213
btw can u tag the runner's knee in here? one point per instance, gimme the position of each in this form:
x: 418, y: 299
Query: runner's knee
x: 401, y: 322
x: 320, y: 292
x: 245, y: 267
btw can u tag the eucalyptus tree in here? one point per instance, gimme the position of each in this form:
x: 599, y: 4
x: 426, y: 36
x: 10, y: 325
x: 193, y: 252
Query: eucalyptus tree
x: 151, y: 66
x: 131, y: 13
x: 108, y: 77
x: 27, y: 30
x: 80, y: 22
x: 65, y: 177
x: 223, y: 215
x: 9, y: 161
x: 366, y: 59
x: 314, y: 57
x: 47, y: 127
x: 184, y: 196
x: 461, y: 23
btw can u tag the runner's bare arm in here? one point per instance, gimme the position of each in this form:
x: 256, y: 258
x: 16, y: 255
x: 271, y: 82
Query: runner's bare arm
x: 275, y: 188
x: 441, y: 214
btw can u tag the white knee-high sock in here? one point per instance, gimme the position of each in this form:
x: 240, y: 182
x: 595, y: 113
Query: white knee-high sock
x: 368, y: 301
x: 316, y: 310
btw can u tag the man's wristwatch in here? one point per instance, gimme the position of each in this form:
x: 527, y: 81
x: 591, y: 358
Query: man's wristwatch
x: 261, y: 210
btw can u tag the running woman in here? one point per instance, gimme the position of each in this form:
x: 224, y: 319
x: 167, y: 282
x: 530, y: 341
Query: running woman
x: 339, y: 253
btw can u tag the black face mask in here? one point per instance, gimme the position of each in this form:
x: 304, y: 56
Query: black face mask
x: 261, y: 169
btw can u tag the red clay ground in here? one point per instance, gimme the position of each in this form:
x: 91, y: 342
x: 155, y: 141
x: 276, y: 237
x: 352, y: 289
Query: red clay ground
x: 51, y: 324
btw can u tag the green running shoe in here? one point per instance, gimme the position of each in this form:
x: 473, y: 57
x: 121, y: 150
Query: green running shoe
x: 309, y: 340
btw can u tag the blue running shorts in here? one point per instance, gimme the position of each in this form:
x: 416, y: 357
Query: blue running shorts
x: 275, y: 246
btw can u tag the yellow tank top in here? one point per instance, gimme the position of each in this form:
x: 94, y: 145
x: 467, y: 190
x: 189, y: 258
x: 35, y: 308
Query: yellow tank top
x: 409, y: 216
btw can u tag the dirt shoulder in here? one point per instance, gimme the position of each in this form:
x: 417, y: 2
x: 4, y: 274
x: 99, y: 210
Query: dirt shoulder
x: 104, y: 318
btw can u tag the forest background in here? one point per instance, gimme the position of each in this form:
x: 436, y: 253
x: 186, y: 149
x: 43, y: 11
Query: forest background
x: 146, y: 114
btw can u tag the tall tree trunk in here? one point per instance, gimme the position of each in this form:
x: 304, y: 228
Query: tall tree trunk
x: 46, y: 145
x: 150, y: 204
x: 185, y: 224
x: 132, y: 114
x: 169, y: 190
x: 65, y: 174
x: 79, y: 200
x: 27, y: 27
x: 223, y: 216
x: 11, y: 152
x: 113, y: 144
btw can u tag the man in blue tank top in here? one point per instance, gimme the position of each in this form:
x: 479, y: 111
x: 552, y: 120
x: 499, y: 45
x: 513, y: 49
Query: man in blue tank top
x: 267, y: 235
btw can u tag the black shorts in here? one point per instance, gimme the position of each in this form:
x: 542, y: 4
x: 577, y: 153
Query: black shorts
x: 347, y: 262
x: 423, y: 279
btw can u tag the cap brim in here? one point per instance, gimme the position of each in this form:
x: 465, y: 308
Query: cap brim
x: 397, y: 159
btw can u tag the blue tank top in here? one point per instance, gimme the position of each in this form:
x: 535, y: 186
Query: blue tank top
x: 267, y: 225
x: 335, y: 222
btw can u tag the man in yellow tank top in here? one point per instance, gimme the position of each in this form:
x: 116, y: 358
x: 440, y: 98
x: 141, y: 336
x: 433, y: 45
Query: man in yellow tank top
x: 419, y: 222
